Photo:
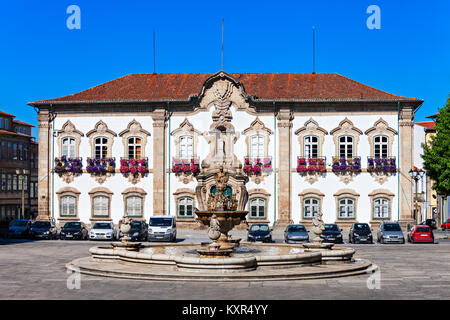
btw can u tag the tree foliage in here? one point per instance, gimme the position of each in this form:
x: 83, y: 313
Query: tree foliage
x: 436, y: 154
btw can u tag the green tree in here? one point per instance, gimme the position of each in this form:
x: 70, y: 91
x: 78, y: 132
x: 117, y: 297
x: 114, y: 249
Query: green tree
x: 436, y: 154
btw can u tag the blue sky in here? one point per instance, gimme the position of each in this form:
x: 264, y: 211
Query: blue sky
x: 41, y: 58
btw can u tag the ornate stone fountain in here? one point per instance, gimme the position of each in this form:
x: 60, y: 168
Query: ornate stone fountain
x: 222, y: 215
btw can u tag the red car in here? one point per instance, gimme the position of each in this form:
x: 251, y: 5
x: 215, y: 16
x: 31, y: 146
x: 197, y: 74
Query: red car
x: 446, y: 225
x: 420, y: 233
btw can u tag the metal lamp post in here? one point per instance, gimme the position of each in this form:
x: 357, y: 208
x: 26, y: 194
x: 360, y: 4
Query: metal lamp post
x: 416, y: 174
x: 23, y: 173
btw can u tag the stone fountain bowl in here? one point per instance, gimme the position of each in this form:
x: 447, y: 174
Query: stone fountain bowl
x: 229, y: 218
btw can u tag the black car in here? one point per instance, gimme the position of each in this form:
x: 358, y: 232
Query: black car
x: 431, y: 223
x: 259, y: 232
x: 43, y: 230
x: 360, y: 233
x: 74, y: 230
x: 332, y: 233
x: 138, y: 231
x: 19, y: 229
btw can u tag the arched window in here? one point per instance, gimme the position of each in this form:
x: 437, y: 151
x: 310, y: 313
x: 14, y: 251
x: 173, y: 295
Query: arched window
x: 257, y: 146
x: 100, y: 206
x: 346, y: 208
x: 186, y: 147
x: 134, y: 148
x: 68, y: 147
x: 185, y: 207
x: 380, y: 208
x: 258, y: 208
x: 68, y: 206
x: 346, y: 147
x: 380, y: 144
x: 101, y: 147
x: 134, y: 206
x: 310, y: 207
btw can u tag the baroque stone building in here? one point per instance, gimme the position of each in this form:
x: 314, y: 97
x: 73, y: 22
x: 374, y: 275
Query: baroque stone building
x: 147, y: 144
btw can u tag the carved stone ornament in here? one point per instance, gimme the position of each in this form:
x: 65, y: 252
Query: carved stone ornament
x: 100, y: 178
x: 380, y: 177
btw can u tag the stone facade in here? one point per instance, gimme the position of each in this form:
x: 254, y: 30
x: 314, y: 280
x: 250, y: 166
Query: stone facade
x: 223, y: 125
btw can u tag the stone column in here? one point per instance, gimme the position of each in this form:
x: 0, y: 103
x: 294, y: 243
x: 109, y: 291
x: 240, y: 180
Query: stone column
x: 44, y: 170
x: 159, y: 162
x: 284, y: 124
x: 406, y: 163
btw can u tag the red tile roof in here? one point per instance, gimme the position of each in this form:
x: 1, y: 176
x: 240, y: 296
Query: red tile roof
x: 433, y: 116
x: 263, y: 86
x: 427, y: 124
x: 22, y: 123
x: 6, y: 114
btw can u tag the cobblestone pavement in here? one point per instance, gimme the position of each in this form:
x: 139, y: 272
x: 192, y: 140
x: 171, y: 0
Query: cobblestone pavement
x: 35, y: 270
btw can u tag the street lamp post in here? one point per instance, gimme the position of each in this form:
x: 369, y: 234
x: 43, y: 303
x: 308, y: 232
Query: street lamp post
x: 416, y: 174
x: 22, y: 172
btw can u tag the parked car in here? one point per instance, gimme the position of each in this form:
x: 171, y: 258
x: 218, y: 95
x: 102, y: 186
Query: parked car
x: 74, y: 230
x: 420, y: 233
x: 162, y: 228
x: 19, y: 229
x: 445, y: 225
x: 360, y: 233
x: 43, y: 230
x: 332, y: 233
x: 138, y: 231
x: 390, y: 232
x: 102, y: 230
x: 431, y: 223
x: 296, y: 233
x: 259, y: 232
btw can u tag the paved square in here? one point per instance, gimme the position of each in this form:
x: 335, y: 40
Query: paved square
x: 35, y: 270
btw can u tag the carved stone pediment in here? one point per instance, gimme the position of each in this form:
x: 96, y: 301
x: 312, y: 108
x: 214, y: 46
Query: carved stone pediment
x: 222, y: 91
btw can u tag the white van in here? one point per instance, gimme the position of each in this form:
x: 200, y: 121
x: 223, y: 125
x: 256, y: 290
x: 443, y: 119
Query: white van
x: 162, y: 228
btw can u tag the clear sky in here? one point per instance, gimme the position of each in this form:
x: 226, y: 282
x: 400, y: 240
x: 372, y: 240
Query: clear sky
x: 41, y: 58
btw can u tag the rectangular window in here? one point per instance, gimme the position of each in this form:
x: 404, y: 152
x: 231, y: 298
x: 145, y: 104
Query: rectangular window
x: 134, y: 206
x: 15, y: 151
x: 101, y: 206
x: 9, y: 182
x: 4, y: 150
x: 14, y: 186
x: 3, y: 182
x: 68, y: 206
x: 20, y: 181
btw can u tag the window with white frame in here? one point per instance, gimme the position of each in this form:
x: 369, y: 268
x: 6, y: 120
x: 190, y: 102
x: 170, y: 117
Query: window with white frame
x: 68, y: 206
x: 134, y: 148
x: 381, y: 208
x: 380, y: 144
x: 185, y: 207
x: 101, y: 148
x: 346, y: 147
x: 186, y: 147
x: 68, y: 147
x: 101, y: 206
x: 311, y: 147
x: 258, y: 208
x: 134, y: 206
x: 310, y: 207
x: 346, y: 208
x: 257, y: 146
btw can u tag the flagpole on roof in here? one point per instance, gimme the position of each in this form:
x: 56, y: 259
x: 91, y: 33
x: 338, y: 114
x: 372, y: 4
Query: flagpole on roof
x: 314, y: 50
x: 154, y: 52
x: 223, y: 26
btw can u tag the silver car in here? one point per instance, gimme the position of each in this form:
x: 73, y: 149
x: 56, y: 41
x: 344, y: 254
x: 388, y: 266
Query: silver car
x: 102, y: 230
x: 296, y: 233
x: 390, y: 232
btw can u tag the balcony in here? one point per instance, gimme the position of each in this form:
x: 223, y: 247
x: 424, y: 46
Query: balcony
x: 257, y: 165
x: 381, y: 165
x: 101, y: 166
x: 311, y: 165
x: 346, y: 165
x: 134, y: 167
x: 65, y: 165
x: 189, y: 166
